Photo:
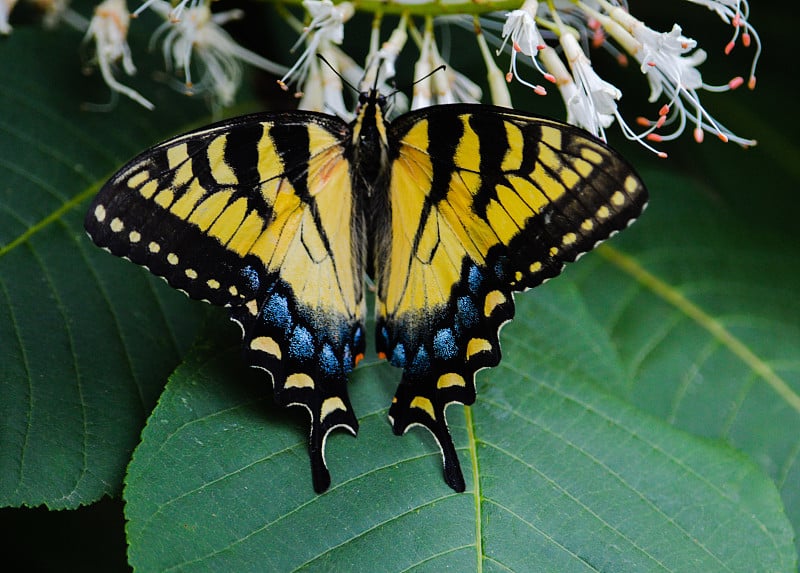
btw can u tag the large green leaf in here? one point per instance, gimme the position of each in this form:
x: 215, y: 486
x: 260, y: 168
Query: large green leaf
x: 707, y: 323
x: 86, y: 340
x: 563, y: 476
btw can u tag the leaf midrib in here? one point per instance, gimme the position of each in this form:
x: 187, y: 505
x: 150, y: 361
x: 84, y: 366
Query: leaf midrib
x: 53, y: 217
x: 715, y: 328
x: 476, y: 489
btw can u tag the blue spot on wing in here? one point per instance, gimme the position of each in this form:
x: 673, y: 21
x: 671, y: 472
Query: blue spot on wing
x: 467, y: 316
x: 328, y: 361
x: 474, y: 279
x: 399, y: 356
x: 301, y: 345
x: 251, y: 278
x: 444, y: 344
x: 421, y: 362
x: 276, y: 312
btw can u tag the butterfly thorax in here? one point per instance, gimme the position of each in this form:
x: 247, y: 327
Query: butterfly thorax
x: 369, y: 143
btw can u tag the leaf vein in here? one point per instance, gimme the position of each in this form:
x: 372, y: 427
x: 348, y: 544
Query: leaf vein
x: 543, y: 533
x: 671, y: 295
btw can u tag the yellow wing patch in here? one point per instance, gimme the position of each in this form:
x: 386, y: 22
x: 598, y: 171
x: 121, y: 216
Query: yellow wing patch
x: 494, y: 193
x: 311, y: 248
x: 430, y: 239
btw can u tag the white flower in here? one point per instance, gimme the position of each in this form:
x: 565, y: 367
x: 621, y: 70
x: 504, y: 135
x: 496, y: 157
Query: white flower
x: 199, y: 34
x: 521, y: 28
x: 326, y: 26
x: 670, y: 65
x: 175, y: 12
x: 663, y: 59
x: 553, y: 37
x: 327, y: 18
x: 593, y: 106
x: 6, y: 6
x: 438, y: 83
x: 58, y: 11
x: 721, y: 7
x: 498, y: 86
x: 386, y: 57
x: 109, y: 29
x: 329, y: 99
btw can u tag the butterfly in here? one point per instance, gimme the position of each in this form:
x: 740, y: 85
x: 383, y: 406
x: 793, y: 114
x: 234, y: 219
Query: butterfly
x: 450, y: 210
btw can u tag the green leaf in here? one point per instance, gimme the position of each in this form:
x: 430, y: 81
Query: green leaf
x: 86, y: 340
x: 708, y: 325
x: 564, y: 477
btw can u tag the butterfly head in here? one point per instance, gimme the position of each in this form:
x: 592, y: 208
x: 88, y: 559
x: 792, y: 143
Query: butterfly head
x: 372, y: 97
x: 370, y: 141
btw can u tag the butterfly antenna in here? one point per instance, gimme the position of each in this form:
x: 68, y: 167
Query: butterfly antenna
x: 377, y: 76
x: 429, y: 74
x: 335, y: 71
x: 423, y: 78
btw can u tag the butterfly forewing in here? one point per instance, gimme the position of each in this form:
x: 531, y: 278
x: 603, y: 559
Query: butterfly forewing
x: 483, y: 202
x: 257, y: 214
x: 271, y: 216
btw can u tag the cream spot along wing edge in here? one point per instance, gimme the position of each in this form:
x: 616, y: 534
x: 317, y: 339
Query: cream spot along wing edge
x: 484, y: 202
x: 257, y: 214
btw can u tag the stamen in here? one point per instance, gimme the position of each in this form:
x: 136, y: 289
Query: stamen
x: 729, y: 47
x: 736, y: 82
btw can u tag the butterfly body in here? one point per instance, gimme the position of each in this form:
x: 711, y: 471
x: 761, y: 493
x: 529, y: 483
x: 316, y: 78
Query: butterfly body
x: 449, y: 209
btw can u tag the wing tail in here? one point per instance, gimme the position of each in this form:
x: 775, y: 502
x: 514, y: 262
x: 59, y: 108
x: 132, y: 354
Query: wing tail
x: 308, y: 364
x: 331, y: 413
x: 413, y: 406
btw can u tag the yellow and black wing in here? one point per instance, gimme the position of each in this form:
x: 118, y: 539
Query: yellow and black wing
x: 484, y: 201
x: 257, y: 214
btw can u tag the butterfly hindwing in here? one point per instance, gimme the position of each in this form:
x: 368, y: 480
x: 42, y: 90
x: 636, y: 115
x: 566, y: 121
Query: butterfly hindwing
x: 483, y: 202
x: 257, y: 214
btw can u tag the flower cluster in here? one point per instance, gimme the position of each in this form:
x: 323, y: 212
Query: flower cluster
x: 540, y: 42
x: 668, y: 59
